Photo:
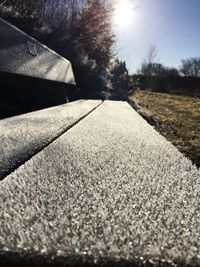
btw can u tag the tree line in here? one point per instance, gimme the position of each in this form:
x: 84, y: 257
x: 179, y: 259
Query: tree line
x: 154, y: 76
x: 190, y: 67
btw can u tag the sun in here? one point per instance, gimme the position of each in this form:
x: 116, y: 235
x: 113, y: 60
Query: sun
x: 123, y: 13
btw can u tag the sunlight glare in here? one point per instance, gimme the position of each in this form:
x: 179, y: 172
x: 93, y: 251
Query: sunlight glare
x: 123, y: 14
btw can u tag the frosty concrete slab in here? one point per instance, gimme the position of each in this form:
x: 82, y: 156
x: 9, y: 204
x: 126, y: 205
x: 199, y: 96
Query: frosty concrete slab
x: 110, y: 191
x: 22, y: 54
x: 23, y: 136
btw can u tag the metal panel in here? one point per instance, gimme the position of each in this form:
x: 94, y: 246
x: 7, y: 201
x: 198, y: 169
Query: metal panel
x: 24, y: 55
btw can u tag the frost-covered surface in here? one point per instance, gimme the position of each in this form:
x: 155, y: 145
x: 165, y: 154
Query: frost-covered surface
x: 23, y: 136
x: 109, y: 187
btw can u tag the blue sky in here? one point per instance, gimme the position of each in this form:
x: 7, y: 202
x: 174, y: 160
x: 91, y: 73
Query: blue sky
x: 172, y: 25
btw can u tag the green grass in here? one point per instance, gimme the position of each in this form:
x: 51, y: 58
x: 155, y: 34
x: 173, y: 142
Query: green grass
x: 175, y: 117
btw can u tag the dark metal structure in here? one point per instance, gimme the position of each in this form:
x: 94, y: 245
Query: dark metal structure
x: 32, y: 76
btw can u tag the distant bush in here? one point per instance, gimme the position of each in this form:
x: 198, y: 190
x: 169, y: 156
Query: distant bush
x: 169, y: 84
x: 157, y: 69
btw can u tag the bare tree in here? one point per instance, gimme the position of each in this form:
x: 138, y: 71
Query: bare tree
x: 149, y: 64
x: 191, y: 67
x: 152, y: 54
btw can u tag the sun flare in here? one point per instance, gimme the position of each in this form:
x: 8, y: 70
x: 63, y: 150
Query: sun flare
x: 123, y: 14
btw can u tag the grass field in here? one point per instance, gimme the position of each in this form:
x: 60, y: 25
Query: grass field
x: 175, y: 117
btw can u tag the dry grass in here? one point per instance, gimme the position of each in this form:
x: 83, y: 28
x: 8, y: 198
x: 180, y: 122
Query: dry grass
x: 177, y: 118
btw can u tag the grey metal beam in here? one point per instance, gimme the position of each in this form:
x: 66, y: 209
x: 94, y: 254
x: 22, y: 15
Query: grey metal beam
x: 23, y: 136
x: 22, y: 54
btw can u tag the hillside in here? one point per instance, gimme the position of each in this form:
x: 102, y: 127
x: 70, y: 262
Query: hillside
x: 175, y: 117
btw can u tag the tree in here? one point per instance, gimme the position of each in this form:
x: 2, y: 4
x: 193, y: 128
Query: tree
x: 152, y: 69
x: 79, y: 30
x: 191, y: 67
x: 172, y: 72
x: 152, y: 54
x: 148, y: 65
x: 120, y: 77
x: 85, y: 22
x: 157, y: 69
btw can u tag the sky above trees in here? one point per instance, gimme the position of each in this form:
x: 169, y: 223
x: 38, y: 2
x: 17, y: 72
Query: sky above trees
x: 172, y: 25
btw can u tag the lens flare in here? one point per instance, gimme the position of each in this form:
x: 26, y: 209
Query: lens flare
x: 123, y: 14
